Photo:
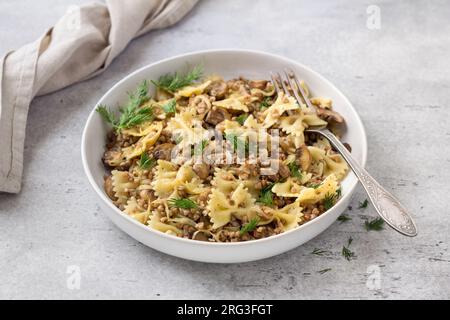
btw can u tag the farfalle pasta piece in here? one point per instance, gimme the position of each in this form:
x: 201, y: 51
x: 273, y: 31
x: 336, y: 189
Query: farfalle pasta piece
x: 314, y: 195
x: 221, y: 208
x: 152, y: 135
x: 235, y: 102
x: 288, y: 188
x: 187, y: 127
x: 134, y: 210
x: 122, y: 183
x: 226, y: 182
x: 155, y: 223
x: 193, y: 90
x: 169, y: 177
x: 332, y: 164
x: 276, y: 110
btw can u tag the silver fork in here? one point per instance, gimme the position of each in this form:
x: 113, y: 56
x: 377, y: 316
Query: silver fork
x: 387, y: 206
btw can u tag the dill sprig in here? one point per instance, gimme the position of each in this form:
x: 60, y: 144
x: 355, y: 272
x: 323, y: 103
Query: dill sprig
x: 198, y: 148
x: 375, y: 224
x: 238, y: 144
x: 344, y: 218
x: 363, y: 205
x: 248, y: 227
x: 324, y: 270
x: 170, y: 107
x: 172, y: 82
x: 346, y: 252
x: 145, y: 162
x: 314, y: 185
x: 266, y: 195
x: 241, y: 119
x: 130, y: 115
x: 182, y: 203
x: 330, y: 199
x: 319, y: 252
x: 295, y: 170
x: 265, y: 103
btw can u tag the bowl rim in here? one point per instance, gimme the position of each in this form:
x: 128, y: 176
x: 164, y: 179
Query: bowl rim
x: 109, y: 203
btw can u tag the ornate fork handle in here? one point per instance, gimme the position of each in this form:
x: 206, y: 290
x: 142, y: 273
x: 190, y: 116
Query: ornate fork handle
x: 387, y: 206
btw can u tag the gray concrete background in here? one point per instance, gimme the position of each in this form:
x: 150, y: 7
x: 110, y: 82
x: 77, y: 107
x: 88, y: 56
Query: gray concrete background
x: 398, y: 79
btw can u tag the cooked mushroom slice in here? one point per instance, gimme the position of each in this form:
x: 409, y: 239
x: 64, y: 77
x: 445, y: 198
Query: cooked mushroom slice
x: 217, y: 89
x: 283, y: 170
x: 202, y: 170
x: 108, y: 185
x: 303, y: 157
x: 329, y: 115
x: 163, y: 151
x: 114, y: 158
x: 201, y: 235
x: 347, y: 146
x: 200, y: 103
x: 217, y: 115
x: 257, y: 84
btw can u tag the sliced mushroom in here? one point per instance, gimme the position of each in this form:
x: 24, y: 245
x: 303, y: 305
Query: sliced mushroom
x: 217, y: 89
x: 304, y: 157
x: 329, y: 115
x: 283, y: 170
x: 163, y: 151
x: 202, y: 170
x: 200, y: 103
x: 216, y: 116
x: 114, y: 158
x: 347, y: 146
x: 257, y: 84
x: 201, y: 235
x: 108, y: 185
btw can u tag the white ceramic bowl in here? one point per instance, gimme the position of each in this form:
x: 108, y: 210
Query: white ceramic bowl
x: 229, y: 63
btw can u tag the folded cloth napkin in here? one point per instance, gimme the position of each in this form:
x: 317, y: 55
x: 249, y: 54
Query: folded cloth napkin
x: 81, y: 45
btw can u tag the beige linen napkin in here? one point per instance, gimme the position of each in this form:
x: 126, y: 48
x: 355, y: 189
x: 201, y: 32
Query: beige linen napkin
x: 81, y: 45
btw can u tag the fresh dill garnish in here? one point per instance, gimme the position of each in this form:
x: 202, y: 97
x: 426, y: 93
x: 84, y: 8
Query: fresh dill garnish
x: 375, y: 224
x: 241, y: 119
x: 314, y: 185
x: 363, y: 205
x: 182, y: 203
x: 295, y: 170
x: 265, y: 103
x: 319, y: 252
x: 266, y: 195
x: 170, y: 107
x: 145, y: 162
x: 130, y: 115
x: 248, y: 227
x: 238, y: 144
x: 198, y: 148
x: 329, y: 200
x: 344, y: 218
x: 346, y: 252
x: 324, y: 270
x: 172, y: 82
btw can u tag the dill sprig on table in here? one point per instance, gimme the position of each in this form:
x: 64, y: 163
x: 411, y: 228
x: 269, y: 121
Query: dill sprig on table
x: 183, y: 203
x: 248, y: 227
x: 346, y: 252
x: 344, y: 218
x: 375, y: 224
x: 130, y: 115
x: 172, y: 82
x: 324, y: 270
x: 363, y: 205
x: 319, y: 252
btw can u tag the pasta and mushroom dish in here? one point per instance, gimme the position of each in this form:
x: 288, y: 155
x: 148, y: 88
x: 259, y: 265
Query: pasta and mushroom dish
x: 220, y: 161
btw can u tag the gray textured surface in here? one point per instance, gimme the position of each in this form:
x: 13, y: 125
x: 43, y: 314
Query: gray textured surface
x: 397, y: 77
